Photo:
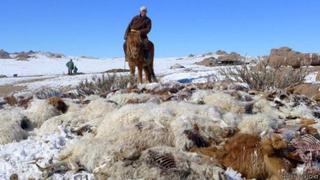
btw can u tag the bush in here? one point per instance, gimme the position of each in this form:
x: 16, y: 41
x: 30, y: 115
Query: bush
x: 265, y: 77
x: 103, y: 85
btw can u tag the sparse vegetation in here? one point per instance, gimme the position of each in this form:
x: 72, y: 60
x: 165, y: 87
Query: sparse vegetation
x: 264, y: 77
x: 103, y: 84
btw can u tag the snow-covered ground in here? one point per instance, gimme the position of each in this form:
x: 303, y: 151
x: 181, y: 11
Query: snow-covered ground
x: 47, y: 72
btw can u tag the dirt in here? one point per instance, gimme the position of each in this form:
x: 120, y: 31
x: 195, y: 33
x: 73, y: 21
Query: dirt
x: 6, y: 90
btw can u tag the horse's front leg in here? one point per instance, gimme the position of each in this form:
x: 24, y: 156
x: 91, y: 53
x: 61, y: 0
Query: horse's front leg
x: 140, y: 73
x: 132, y: 73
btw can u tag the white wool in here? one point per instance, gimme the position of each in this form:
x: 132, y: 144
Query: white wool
x: 89, y: 151
x: 182, y: 123
x: 231, y: 119
x: 51, y: 125
x: 122, y: 99
x: 149, y: 86
x: 91, y: 114
x: 98, y: 108
x: 118, y: 145
x: 126, y: 115
x: 72, y: 106
x: 298, y: 111
x: 188, y: 166
x: 209, y: 128
x: 10, y: 129
x: 224, y: 101
x: 197, y: 97
x: 261, y: 105
x: 135, y: 127
x: 40, y: 111
x: 258, y: 124
x: 92, y: 98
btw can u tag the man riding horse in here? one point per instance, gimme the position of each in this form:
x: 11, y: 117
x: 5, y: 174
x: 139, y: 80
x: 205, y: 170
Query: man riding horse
x: 142, y: 24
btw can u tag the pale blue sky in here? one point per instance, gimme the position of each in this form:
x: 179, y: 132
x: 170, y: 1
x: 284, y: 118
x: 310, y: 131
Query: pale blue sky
x: 180, y: 27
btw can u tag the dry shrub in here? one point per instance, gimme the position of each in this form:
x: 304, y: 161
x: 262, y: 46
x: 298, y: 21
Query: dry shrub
x: 102, y: 85
x: 265, y: 77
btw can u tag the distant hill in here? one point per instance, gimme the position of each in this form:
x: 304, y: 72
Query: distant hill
x: 26, y: 55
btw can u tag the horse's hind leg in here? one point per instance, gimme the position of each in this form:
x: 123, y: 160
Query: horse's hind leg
x: 147, y: 73
x: 152, y: 74
x: 154, y: 78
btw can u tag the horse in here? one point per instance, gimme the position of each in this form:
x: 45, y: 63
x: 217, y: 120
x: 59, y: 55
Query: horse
x: 135, y: 54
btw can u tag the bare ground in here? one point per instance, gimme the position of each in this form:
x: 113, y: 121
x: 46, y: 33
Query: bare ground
x: 6, y: 90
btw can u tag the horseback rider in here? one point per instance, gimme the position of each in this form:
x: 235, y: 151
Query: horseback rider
x: 142, y: 24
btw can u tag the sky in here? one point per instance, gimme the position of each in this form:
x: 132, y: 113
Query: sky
x: 179, y: 27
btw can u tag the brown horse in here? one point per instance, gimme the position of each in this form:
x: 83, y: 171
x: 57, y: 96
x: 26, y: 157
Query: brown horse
x: 136, y: 58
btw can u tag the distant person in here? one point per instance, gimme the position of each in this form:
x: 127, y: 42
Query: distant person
x: 75, y: 70
x: 70, y: 66
x: 141, y: 23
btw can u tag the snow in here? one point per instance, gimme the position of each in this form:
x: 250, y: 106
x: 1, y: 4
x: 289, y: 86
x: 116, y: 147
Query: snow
x: 42, y: 65
x: 42, y: 71
x: 311, y: 78
x: 19, y: 157
x: 12, y: 80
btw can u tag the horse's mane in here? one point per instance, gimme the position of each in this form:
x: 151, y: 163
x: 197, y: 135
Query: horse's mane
x: 133, y: 40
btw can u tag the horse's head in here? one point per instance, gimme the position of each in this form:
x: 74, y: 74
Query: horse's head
x: 134, y: 44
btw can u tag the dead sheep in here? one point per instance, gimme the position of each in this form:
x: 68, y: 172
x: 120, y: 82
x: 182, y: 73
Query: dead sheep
x: 161, y: 162
x: 131, y: 98
x: 15, y: 126
x: 197, y: 97
x: 40, y: 111
x: 259, y: 124
x: 224, y: 101
x: 118, y: 146
x: 252, y: 156
x: 79, y: 116
x: 137, y: 127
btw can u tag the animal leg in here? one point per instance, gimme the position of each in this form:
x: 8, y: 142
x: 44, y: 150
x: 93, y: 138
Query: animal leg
x: 140, y: 73
x: 147, y: 73
x: 151, y: 48
x: 132, y: 72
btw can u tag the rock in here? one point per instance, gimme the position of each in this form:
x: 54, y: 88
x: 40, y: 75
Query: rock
x: 3, y: 76
x: 4, y: 54
x: 191, y: 55
x: 21, y: 56
x: 287, y: 57
x: 318, y: 76
x: 177, y: 66
x: 307, y: 89
x: 55, y: 55
x: 221, y: 52
x: 223, y: 60
x: 207, y: 54
x: 230, y: 58
x: 211, y: 61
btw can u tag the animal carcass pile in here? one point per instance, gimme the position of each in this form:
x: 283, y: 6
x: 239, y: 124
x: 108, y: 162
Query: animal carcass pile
x: 163, y: 131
